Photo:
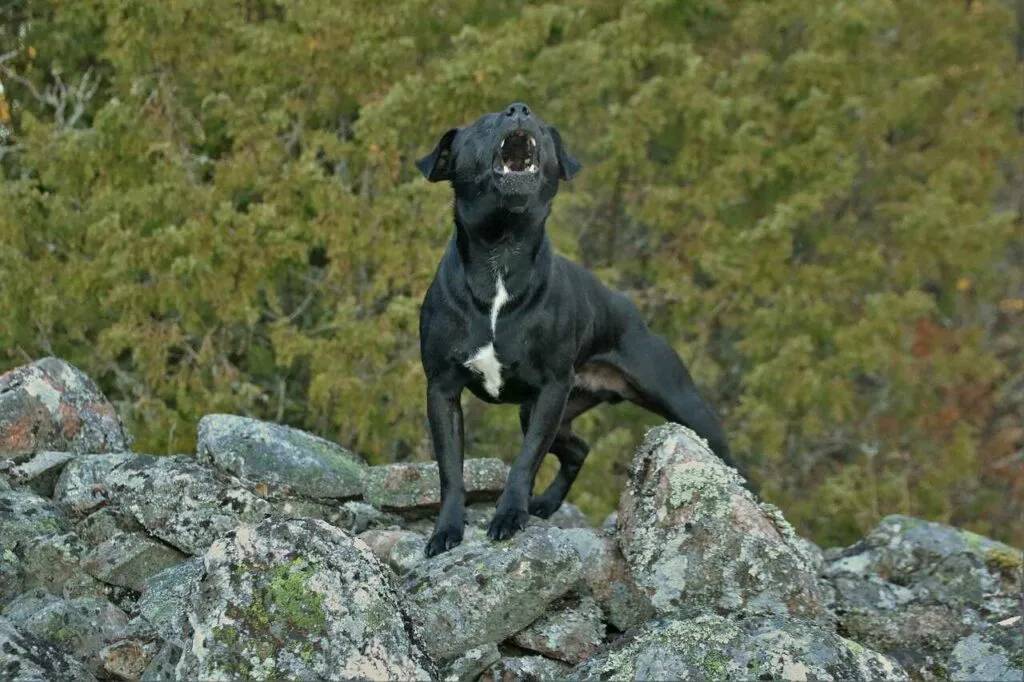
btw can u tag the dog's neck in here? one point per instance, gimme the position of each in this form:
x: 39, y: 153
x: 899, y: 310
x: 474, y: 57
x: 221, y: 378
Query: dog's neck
x: 506, y: 246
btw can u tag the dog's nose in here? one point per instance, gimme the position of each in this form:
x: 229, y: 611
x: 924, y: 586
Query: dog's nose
x: 518, y: 110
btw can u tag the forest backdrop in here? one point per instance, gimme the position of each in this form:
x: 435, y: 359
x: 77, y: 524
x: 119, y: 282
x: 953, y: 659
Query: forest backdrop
x: 212, y: 206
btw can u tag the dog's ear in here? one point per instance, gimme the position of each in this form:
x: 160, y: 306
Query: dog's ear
x: 568, y: 166
x: 437, y: 165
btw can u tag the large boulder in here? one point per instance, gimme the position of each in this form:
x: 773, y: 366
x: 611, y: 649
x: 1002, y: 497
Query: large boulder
x: 698, y: 541
x: 485, y: 592
x: 712, y: 647
x: 914, y: 588
x: 26, y: 658
x: 174, y: 498
x: 397, y: 549
x: 285, y: 459
x: 166, y: 596
x: 51, y: 405
x: 417, y: 487
x: 297, y: 599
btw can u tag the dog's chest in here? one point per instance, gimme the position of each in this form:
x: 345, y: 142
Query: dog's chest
x: 484, y: 361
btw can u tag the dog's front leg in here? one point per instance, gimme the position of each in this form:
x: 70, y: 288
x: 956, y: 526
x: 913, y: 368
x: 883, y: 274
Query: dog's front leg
x: 444, y: 413
x: 545, y: 418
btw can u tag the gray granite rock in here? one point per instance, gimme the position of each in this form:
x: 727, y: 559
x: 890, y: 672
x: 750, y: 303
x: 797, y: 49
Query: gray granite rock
x: 297, y: 599
x: 416, y: 487
x: 400, y: 550
x: 40, y: 471
x: 526, y: 669
x: 51, y: 561
x: 995, y: 654
x: 712, y: 647
x: 129, y: 560
x: 914, y: 588
x: 174, y: 498
x: 81, y: 627
x: 697, y: 541
x: 481, y: 592
x: 166, y: 596
x: 51, y: 405
x: 470, y: 665
x: 609, y: 579
x: 285, y: 459
x: 570, y: 631
x: 26, y: 658
x: 25, y: 515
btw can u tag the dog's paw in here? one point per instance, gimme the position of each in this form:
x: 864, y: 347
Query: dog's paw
x: 543, y: 506
x: 507, y: 523
x: 442, y: 540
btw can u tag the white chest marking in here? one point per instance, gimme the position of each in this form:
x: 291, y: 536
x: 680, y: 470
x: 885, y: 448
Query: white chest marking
x: 485, y: 361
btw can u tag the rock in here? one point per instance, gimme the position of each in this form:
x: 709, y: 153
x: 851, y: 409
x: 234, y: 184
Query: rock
x: 50, y: 405
x: 129, y: 560
x: 569, y: 516
x: 400, y: 550
x: 51, y: 561
x: 39, y: 474
x: 416, y: 487
x: 610, y: 579
x: 996, y: 654
x: 24, y: 658
x: 478, y: 593
x: 174, y: 498
x: 610, y: 523
x: 11, y: 580
x: 24, y: 515
x: 470, y: 665
x: 297, y: 599
x: 105, y: 524
x: 163, y: 667
x: 526, y: 669
x: 712, y: 647
x: 126, y: 659
x: 166, y: 596
x: 81, y: 627
x: 697, y: 541
x: 82, y: 485
x: 286, y: 459
x: 913, y: 589
x: 570, y: 631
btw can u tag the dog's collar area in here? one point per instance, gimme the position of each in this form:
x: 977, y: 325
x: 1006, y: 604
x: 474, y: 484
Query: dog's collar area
x: 517, y: 153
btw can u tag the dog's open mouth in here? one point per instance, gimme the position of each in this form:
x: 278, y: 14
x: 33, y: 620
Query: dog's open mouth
x: 517, y: 153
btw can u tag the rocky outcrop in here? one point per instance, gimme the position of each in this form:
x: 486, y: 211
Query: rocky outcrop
x: 272, y: 554
x: 914, y: 588
x: 50, y: 405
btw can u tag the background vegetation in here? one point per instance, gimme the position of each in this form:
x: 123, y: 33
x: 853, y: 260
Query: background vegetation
x: 211, y: 206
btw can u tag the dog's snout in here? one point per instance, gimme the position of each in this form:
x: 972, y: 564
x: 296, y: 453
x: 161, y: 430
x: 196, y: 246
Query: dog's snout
x: 518, y: 110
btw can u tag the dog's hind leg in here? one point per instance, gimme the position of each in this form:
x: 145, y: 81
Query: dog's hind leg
x: 663, y: 385
x: 570, y: 449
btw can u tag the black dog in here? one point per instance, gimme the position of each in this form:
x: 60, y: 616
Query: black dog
x: 514, y: 323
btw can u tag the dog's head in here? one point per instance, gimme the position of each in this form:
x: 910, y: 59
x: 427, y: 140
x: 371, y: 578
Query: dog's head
x: 510, y: 156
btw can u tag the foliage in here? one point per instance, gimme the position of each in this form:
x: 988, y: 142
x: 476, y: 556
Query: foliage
x: 815, y: 202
